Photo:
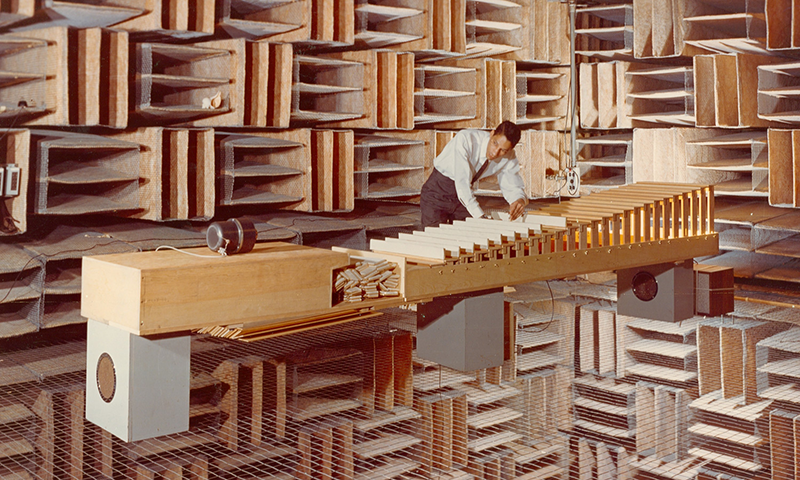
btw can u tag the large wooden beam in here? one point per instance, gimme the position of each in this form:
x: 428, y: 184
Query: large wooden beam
x: 168, y: 291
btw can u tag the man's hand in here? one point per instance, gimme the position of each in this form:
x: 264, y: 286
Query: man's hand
x: 516, y: 209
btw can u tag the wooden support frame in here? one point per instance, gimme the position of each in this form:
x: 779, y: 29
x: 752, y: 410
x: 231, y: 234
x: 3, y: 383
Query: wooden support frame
x: 542, y: 97
x: 212, y: 74
x: 784, y: 163
x: 659, y: 95
x: 63, y: 181
x: 44, y: 95
x: 285, y: 22
x: 445, y: 90
x: 404, y: 26
x: 723, y: 87
x: 605, y: 31
x: 740, y: 28
x: 727, y: 357
x: 176, y: 172
x: 392, y: 165
x: 276, y: 168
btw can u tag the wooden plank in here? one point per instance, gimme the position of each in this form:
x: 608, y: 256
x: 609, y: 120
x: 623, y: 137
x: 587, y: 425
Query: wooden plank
x: 275, y: 398
x: 460, y: 447
x: 203, y: 195
x: 88, y: 46
x: 403, y: 370
x: 387, y: 86
x: 304, y: 469
x: 323, y: 446
x: 480, y: 444
x: 228, y: 433
x: 645, y: 417
x: 606, y: 470
x: 606, y: 346
x: 390, y: 469
x: 492, y: 418
x: 588, y: 339
x: 322, y: 174
x: 258, y: 70
x: 384, y: 372
x: 388, y: 443
x: 708, y: 348
x: 782, y: 443
x: 281, y: 58
x: 424, y: 431
x: 176, y: 190
x: 443, y: 433
x: 304, y: 409
x: 405, y: 90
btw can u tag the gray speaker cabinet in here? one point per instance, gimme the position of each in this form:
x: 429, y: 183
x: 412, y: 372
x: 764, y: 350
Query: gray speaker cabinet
x: 657, y: 292
x: 464, y: 332
x: 136, y: 388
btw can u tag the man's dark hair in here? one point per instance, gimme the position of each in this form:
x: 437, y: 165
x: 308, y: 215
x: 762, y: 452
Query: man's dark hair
x: 510, y: 130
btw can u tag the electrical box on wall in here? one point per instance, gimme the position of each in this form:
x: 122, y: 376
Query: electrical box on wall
x: 657, y: 292
x: 11, y: 182
x: 136, y: 388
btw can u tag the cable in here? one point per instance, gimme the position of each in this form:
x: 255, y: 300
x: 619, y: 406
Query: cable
x: 552, y: 312
x: 168, y: 247
x: 47, y: 255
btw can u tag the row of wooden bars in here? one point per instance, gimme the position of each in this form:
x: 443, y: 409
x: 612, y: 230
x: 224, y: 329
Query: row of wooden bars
x: 622, y: 216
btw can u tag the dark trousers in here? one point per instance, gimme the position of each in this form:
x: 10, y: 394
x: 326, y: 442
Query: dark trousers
x: 439, y: 202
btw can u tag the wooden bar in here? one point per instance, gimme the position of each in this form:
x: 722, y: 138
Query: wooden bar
x: 76, y: 401
x: 403, y: 370
x: 645, y: 417
x: 783, y: 447
x: 228, y: 434
x: 606, y: 344
x: 387, y: 89
x: 384, y: 372
x: 443, y: 433
x: 46, y: 438
x: 343, y: 463
x: 460, y: 407
x: 425, y: 432
x: 275, y: 398
x: 87, y: 81
x: 258, y: 70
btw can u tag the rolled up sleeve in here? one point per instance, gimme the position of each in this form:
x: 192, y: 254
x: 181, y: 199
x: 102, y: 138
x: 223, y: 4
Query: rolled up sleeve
x: 511, y: 183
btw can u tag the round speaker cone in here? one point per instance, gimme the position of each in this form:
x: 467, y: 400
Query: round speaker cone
x: 645, y: 286
x: 236, y: 235
x: 106, y: 377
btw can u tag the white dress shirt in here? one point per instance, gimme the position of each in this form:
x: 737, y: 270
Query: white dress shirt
x: 465, y: 154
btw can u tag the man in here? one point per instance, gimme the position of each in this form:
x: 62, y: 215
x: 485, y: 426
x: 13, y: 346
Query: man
x: 472, y: 154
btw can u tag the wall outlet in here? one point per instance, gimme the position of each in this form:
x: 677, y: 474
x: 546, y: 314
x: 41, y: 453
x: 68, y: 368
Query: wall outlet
x: 573, y: 181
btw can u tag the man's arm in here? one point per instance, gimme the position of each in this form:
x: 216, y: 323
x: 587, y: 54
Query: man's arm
x: 513, y: 188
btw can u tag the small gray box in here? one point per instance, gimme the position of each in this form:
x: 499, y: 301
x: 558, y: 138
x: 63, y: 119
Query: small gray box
x: 662, y: 292
x: 464, y: 332
x: 136, y: 388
